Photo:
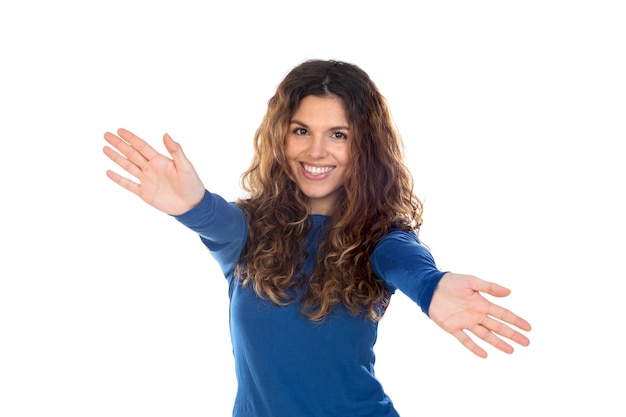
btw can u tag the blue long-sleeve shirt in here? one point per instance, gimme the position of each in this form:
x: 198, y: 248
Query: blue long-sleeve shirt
x: 288, y: 365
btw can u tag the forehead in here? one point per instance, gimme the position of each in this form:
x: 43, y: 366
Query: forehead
x: 329, y: 108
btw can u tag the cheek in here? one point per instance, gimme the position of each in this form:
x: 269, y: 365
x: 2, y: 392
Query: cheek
x: 291, y: 150
x: 346, y: 157
x: 291, y: 154
x: 346, y: 162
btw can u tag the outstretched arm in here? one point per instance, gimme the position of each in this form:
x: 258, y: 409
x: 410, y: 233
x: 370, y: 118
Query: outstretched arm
x: 170, y: 185
x: 457, y: 305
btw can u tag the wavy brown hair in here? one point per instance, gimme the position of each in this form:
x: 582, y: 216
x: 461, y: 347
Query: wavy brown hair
x: 377, y: 197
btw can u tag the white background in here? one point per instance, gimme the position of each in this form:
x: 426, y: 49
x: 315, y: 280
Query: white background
x: 513, y: 115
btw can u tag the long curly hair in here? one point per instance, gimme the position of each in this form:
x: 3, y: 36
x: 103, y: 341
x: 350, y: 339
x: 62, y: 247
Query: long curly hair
x: 377, y: 197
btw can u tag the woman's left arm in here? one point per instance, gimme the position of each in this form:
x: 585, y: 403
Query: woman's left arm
x: 453, y: 301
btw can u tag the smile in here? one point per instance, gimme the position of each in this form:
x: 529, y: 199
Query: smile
x: 316, y: 170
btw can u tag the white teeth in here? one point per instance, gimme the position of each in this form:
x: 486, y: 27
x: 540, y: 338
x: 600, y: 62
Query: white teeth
x: 316, y: 170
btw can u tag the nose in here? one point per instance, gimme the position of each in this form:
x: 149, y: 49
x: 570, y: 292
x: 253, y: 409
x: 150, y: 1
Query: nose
x: 316, y: 147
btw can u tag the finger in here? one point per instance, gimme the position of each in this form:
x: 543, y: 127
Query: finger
x: 124, y: 182
x: 488, y: 336
x: 467, y: 341
x: 125, y: 149
x: 174, y: 148
x: 508, y: 316
x: 122, y: 162
x: 181, y: 161
x: 503, y: 330
x: 140, y: 145
x: 490, y: 288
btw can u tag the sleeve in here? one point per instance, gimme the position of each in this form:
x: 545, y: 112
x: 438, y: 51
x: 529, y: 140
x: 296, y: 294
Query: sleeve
x: 222, y: 228
x: 404, y: 263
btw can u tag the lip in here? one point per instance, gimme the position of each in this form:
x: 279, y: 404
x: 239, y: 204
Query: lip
x: 311, y: 176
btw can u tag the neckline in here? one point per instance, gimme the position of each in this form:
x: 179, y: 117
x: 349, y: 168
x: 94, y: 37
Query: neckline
x: 319, y: 218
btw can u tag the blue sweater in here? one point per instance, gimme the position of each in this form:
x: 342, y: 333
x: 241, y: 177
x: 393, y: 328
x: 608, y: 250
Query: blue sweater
x: 288, y: 365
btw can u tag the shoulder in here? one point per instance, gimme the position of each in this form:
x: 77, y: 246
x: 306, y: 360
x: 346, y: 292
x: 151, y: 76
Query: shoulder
x: 399, y: 237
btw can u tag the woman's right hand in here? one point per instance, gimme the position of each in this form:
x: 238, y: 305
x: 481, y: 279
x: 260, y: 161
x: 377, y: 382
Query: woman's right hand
x: 170, y: 185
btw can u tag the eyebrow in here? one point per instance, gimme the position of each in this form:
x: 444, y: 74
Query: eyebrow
x: 298, y: 122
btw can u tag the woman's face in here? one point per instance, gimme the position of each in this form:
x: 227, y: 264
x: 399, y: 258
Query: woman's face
x: 317, y: 150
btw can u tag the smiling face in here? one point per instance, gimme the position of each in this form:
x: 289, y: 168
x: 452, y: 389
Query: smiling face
x: 317, y: 150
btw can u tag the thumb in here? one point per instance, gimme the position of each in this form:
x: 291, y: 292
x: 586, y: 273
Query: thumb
x: 490, y: 288
x: 176, y: 151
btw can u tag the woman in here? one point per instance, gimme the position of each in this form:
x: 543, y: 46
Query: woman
x: 327, y: 233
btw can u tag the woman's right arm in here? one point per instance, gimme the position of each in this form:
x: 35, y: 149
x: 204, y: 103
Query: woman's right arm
x: 172, y: 186
x: 222, y: 227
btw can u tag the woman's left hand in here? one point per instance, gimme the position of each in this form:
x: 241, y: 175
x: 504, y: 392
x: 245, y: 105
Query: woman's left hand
x: 458, y: 305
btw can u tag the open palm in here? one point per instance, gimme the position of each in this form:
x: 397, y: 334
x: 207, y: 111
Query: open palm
x: 168, y: 184
x: 458, y: 305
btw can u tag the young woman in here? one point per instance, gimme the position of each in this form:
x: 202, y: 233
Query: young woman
x: 327, y: 233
